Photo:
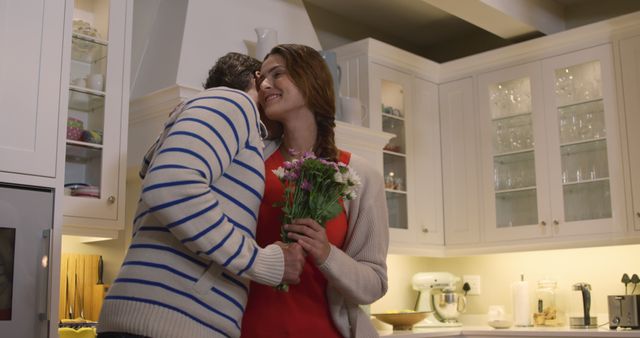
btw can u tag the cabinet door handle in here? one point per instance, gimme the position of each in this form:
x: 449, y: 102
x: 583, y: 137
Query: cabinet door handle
x: 425, y: 230
x: 543, y: 223
x: 111, y: 199
x: 555, y: 222
x: 638, y: 213
x: 43, y: 276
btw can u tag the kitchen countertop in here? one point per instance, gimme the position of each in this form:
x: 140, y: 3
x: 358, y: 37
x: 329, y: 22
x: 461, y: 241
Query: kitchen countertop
x: 487, y: 331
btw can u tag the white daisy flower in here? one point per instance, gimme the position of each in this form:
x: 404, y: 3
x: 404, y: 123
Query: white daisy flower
x: 353, y: 178
x: 279, y: 172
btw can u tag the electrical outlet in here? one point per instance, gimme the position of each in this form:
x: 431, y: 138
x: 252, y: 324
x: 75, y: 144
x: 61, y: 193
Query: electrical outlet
x: 474, y: 283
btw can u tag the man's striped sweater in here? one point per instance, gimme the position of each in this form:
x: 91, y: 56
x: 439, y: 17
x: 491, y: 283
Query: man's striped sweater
x: 193, y: 251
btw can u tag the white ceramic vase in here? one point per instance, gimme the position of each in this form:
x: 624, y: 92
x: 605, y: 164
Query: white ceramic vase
x: 267, y: 39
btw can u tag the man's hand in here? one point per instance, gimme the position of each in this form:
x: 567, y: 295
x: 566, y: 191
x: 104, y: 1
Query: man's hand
x: 293, y: 262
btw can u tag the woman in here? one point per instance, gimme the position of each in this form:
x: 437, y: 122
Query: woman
x: 192, y: 254
x: 345, y: 265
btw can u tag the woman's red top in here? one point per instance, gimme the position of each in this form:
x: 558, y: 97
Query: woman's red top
x: 303, y: 311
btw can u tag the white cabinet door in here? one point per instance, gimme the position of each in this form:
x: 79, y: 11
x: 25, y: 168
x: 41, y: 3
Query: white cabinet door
x: 390, y: 111
x: 551, y: 151
x: 630, y: 63
x: 427, y: 178
x: 31, y: 32
x: 460, y: 162
x: 583, y: 139
x: 97, y: 114
x: 514, y: 153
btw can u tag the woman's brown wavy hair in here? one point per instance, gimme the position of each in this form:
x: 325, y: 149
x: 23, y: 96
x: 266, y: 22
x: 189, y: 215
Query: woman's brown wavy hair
x: 311, y: 75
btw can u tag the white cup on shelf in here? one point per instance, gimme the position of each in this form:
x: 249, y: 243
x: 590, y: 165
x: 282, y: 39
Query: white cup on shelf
x: 76, y: 98
x: 95, y: 81
x: 79, y: 82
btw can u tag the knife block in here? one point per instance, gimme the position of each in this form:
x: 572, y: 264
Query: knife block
x: 79, y: 291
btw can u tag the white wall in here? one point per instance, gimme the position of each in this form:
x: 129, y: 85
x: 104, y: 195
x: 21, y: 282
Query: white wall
x: 180, y: 46
x: 602, y: 267
x: 157, y: 36
x: 214, y: 28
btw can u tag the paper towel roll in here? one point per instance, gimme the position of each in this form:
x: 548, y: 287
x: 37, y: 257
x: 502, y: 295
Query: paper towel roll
x: 521, y: 305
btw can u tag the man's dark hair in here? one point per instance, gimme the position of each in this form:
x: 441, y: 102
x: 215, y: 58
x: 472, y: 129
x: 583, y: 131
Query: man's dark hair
x: 233, y: 70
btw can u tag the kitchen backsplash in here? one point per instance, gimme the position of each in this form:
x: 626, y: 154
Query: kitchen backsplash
x: 602, y: 267
x: 112, y: 253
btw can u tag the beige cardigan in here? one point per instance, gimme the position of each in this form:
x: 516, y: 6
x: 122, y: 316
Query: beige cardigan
x: 358, y: 275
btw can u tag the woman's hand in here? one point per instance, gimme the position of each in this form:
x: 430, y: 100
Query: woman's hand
x: 311, y: 236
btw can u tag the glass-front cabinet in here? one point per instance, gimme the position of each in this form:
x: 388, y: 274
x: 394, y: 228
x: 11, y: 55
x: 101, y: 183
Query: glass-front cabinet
x: 390, y: 91
x: 582, y: 128
x: 86, y: 117
x: 548, y: 152
x: 403, y: 105
x: 583, y: 142
x: 95, y: 107
x: 514, y: 155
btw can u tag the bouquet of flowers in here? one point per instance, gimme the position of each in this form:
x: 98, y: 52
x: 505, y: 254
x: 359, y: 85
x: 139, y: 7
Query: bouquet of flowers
x: 313, y: 188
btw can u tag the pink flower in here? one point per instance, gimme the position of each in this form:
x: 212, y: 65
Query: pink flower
x: 314, y: 188
x: 306, y: 185
x: 291, y: 176
x: 293, y: 152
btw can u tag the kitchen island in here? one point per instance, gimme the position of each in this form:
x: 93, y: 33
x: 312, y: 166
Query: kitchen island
x: 526, y: 332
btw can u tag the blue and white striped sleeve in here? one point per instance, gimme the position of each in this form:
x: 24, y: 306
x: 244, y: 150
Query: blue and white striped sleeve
x: 182, y: 190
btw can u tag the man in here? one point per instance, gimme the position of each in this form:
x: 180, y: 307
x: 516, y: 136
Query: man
x: 187, y: 271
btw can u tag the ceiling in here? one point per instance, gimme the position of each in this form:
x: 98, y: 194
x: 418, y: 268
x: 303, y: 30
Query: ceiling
x: 444, y: 30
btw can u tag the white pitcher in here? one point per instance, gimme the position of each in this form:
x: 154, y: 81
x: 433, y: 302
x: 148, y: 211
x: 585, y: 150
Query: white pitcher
x: 267, y: 39
x: 353, y: 111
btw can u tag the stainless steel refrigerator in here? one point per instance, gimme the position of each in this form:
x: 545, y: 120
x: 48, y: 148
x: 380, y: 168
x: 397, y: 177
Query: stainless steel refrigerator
x: 26, y: 221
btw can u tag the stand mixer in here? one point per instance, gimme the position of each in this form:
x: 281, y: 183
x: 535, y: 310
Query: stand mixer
x: 436, y: 295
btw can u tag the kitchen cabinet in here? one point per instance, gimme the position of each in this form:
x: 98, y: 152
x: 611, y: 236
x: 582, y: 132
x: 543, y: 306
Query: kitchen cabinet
x: 32, y: 36
x: 30, y: 77
x: 397, y: 101
x: 98, y: 100
x: 551, y: 158
x: 630, y: 63
x: 391, y: 112
x: 533, y: 151
x: 460, y: 162
x: 427, y: 206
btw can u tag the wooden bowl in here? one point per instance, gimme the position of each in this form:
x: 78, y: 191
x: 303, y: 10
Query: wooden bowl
x: 401, y: 320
